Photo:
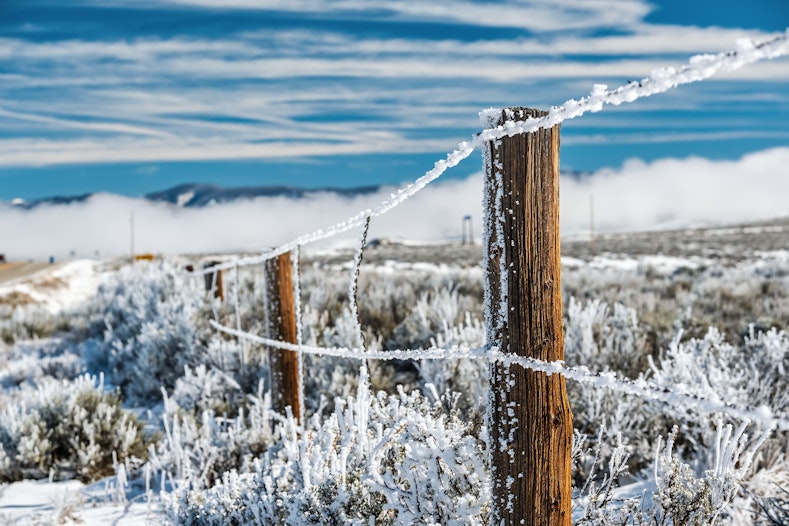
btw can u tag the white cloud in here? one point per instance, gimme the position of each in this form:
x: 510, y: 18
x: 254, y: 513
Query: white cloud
x: 116, y: 127
x: 672, y: 137
x: 46, y: 152
x: 535, y: 15
x: 671, y: 193
x: 639, y: 195
x: 134, y: 50
x: 278, y: 92
x: 640, y: 39
x: 102, y: 223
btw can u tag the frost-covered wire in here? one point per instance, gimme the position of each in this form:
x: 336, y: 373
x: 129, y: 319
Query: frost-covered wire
x: 353, y: 289
x: 642, y: 388
x: 699, y: 67
x: 432, y: 353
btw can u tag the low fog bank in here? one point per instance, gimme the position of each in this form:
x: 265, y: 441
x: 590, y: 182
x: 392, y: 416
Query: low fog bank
x: 667, y: 193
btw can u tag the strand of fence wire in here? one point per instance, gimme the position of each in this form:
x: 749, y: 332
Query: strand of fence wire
x: 644, y: 389
x: 698, y: 67
x: 353, y: 289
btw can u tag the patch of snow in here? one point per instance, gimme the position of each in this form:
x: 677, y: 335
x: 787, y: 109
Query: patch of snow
x: 624, y: 263
x: 570, y: 262
x: 184, y: 198
x: 658, y: 263
x: 71, y: 502
x: 61, y: 287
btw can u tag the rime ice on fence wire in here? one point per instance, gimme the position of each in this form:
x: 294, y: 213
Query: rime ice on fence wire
x: 699, y: 67
x: 762, y: 416
x: 353, y: 288
x: 644, y: 389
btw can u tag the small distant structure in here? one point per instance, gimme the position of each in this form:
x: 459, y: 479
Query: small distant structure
x: 468, y: 234
x: 144, y: 257
x: 591, y: 219
x: 2, y: 258
x: 51, y: 260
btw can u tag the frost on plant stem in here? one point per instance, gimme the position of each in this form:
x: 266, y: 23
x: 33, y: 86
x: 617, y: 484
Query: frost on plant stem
x: 680, y: 494
x: 353, y: 287
x: 386, y: 459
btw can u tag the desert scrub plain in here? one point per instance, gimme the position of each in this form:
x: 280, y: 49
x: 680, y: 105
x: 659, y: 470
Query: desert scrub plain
x: 135, y: 387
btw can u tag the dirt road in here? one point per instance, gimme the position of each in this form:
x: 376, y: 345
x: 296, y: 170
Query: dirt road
x: 15, y: 271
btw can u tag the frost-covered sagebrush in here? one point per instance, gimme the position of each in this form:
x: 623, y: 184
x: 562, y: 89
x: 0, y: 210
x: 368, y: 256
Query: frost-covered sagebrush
x: 407, y: 445
x: 67, y: 429
x: 145, y: 329
x: 677, y: 494
x: 388, y: 459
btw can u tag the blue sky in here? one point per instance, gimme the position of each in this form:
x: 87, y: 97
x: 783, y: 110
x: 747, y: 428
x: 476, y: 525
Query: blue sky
x: 134, y: 96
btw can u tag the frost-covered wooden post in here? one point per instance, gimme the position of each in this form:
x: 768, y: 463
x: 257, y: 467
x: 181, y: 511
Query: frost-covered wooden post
x: 213, y: 281
x: 281, y: 325
x: 529, y: 415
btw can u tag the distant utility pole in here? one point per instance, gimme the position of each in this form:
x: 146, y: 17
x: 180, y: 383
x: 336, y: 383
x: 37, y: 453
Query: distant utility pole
x: 468, y: 235
x: 591, y: 218
x: 131, y: 234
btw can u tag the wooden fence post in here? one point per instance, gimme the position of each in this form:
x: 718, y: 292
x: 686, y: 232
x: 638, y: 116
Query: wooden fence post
x: 281, y: 325
x: 213, y: 280
x: 529, y: 415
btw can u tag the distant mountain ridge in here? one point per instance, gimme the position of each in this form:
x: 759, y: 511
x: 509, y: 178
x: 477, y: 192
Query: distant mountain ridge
x: 196, y: 195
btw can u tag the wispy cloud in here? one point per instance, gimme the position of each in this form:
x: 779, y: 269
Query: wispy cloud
x: 305, y: 88
x: 536, y: 15
x: 81, y: 125
x: 43, y: 152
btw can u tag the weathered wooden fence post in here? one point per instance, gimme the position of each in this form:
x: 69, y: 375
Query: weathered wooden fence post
x: 529, y: 415
x: 213, y: 280
x: 281, y: 316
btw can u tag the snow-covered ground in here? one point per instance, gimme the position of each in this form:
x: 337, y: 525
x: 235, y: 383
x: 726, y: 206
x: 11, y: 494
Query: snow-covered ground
x: 40, y: 502
x: 43, y: 502
x: 58, y: 287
